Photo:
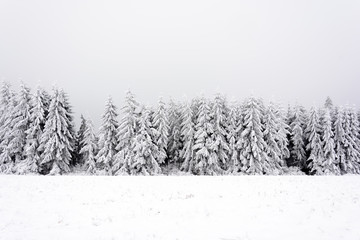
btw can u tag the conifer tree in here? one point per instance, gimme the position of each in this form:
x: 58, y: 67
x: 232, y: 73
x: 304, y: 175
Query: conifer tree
x: 220, y: 150
x: 70, y: 126
x: 187, y: 137
x: 127, y: 131
x: 232, y: 137
x: 56, y: 139
x: 9, y: 103
x: 89, y: 148
x: 313, y: 134
x: 328, y: 103
x: 34, y: 134
x: 329, y: 165
x: 4, y: 101
x: 19, y: 125
x: 355, y: 130
x: 283, y: 132
x: 351, y: 142
x: 297, y: 138
x: 108, y: 138
x: 271, y: 137
x: 174, y: 144
x: 145, y: 150
x: 253, y: 157
x: 339, y: 139
x: 206, y: 162
x: 237, y: 165
x: 161, y: 124
x: 79, y: 141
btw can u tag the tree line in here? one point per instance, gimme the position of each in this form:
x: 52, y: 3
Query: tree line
x: 201, y: 137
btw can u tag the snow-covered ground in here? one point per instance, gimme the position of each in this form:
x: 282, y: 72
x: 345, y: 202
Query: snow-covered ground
x: 243, y: 207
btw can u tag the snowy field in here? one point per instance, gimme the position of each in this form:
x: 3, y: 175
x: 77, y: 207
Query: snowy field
x: 225, y: 208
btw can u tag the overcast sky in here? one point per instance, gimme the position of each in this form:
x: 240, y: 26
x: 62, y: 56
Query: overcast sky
x: 287, y: 50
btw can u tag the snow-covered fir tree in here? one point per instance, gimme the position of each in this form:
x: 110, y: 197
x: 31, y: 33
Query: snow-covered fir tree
x: 329, y: 165
x: 8, y: 102
x: 57, y: 138
x: 233, y: 134
x: 283, y: 132
x: 108, y: 138
x: 271, y: 133
x: 253, y: 157
x: 88, y: 150
x: 339, y: 139
x: 220, y: 150
x: 79, y: 139
x: 237, y: 165
x: 355, y: 129
x: 37, y: 122
x: 161, y: 124
x: 187, y: 153
x: 145, y: 150
x: 328, y: 103
x: 297, y: 138
x: 315, y: 145
x: 4, y: 101
x: 207, y: 162
x: 127, y: 130
x: 20, y: 124
x: 351, y: 142
x: 71, y: 128
x: 174, y: 143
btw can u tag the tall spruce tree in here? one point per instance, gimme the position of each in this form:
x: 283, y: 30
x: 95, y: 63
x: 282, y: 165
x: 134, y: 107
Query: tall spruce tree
x: 237, y: 167
x: 351, y: 142
x: 89, y: 148
x: 34, y: 134
x: 339, y: 139
x: 108, y: 138
x: 127, y: 130
x: 329, y: 165
x: 233, y: 136
x: 283, y: 132
x: 355, y: 130
x: 271, y: 136
x: 174, y: 143
x: 297, y: 138
x: 207, y: 162
x: 328, y: 103
x: 57, y: 138
x: 145, y: 150
x: 220, y: 149
x: 79, y: 139
x: 19, y: 125
x: 71, y: 127
x: 161, y: 124
x: 9, y: 102
x: 253, y: 157
x: 314, y: 146
x: 187, y: 153
x: 4, y: 101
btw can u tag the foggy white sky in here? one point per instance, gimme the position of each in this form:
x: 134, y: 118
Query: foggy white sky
x: 289, y: 50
